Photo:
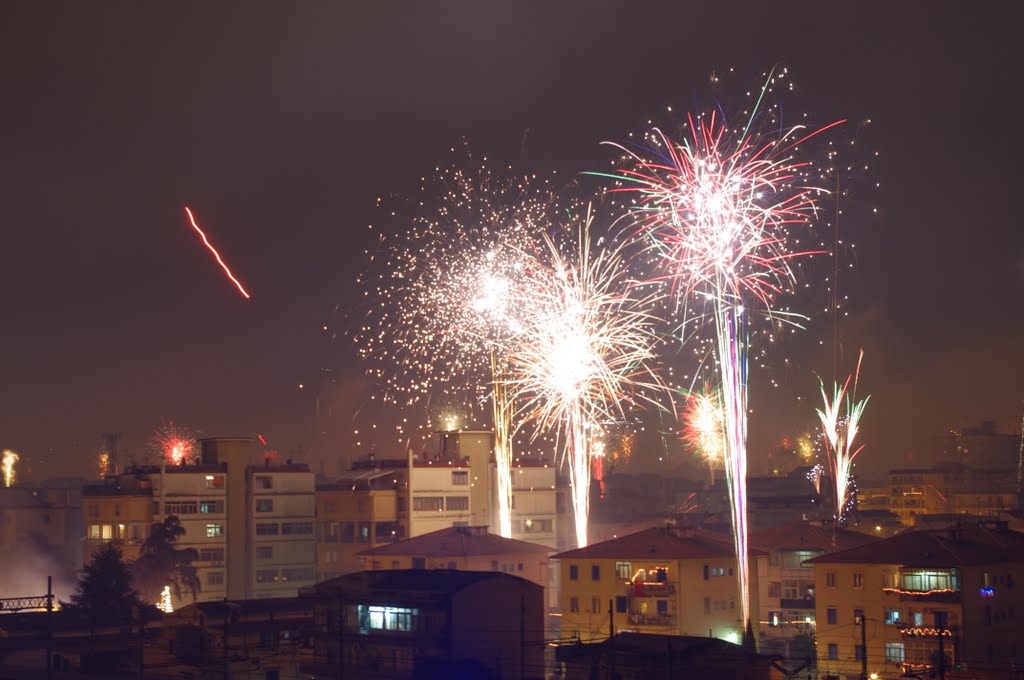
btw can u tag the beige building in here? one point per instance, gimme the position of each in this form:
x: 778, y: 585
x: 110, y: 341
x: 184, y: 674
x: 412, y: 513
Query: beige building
x: 909, y: 594
x: 380, y: 502
x: 661, y: 580
x: 950, y: 488
x: 786, y: 597
x: 252, y: 525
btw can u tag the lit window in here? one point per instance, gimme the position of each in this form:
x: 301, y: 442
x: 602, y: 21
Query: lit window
x: 892, y: 616
x: 386, y: 618
x: 624, y: 570
x: 894, y: 652
x: 214, y: 530
x: 214, y: 482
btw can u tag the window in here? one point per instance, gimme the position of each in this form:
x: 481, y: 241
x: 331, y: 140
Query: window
x: 297, y: 574
x: 858, y: 580
x: 266, y: 575
x: 215, y: 578
x: 858, y: 653
x: 427, y: 503
x: 267, y: 528
x: 595, y: 572
x: 892, y: 616
x: 894, y: 652
x: 705, y: 572
x: 574, y: 572
x: 858, y: 616
x: 263, y: 482
x: 419, y: 563
x: 537, y: 526
x: 93, y: 510
x: 386, y: 618
x: 831, y: 618
x: 264, y: 552
x: 574, y: 605
x: 460, y: 478
x: 264, y: 505
x: 211, y: 507
x: 918, y: 619
x: 830, y: 579
x: 296, y: 528
x: 364, y: 532
x: 624, y: 570
x: 214, y: 530
x: 833, y: 651
x: 211, y: 554
x: 775, y: 589
x: 348, y: 532
x: 792, y: 590
x: 662, y: 607
x: 181, y: 507
x: 387, y: 531
x: 923, y: 580
x: 452, y: 565
x: 214, y: 482
x: 457, y: 503
x: 595, y: 605
x: 621, y: 604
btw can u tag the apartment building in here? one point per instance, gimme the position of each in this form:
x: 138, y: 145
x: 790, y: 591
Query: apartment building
x: 664, y: 580
x: 786, y: 598
x: 454, y: 484
x: 252, y: 525
x: 950, y: 488
x: 428, y: 623
x: 923, y: 602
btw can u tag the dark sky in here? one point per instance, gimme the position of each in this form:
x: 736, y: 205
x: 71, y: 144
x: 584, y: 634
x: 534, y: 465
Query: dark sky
x: 281, y: 123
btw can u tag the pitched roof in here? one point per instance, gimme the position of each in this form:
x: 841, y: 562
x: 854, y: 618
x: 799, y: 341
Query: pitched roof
x: 802, y: 535
x: 429, y: 582
x: 458, y: 542
x: 959, y: 546
x: 659, y: 542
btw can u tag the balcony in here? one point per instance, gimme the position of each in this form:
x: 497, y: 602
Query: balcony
x: 652, y: 620
x: 944, y: 595
x: 649, y: 589
x: 797, y: 603
x: 927, y: 585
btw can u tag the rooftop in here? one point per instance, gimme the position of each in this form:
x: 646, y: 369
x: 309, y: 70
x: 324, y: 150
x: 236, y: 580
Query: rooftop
x: 964, y: 545
x: 430, y: 582
x: 659, y: 542
x: 458, y: 542
x: 807, y: 536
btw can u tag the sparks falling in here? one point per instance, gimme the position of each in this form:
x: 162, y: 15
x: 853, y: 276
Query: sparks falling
x: 445, y: 302
x: 719, y: 210
x: 8, y: 461
x: 703, y: 427
x: 840, y: 429
x: 175, y: 444
x: 104, y: 463
x: 585, y: 352
x: 216, y: 255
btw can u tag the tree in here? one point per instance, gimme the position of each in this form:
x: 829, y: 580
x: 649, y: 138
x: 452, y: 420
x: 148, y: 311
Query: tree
x: 105, y: 591
x: 161, y: 563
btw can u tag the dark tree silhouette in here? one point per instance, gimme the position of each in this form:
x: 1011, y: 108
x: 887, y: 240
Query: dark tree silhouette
x: 105, y: 592
x: 161, y: 563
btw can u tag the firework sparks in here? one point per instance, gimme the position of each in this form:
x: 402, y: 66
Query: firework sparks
x: 703, y: 428
x: 584, y: 354
x: 445, y: 305
x: 216, y: 255
x: 176, y: 445
x: 8, y: 462
x: 104, y: 463
x: 718, y: 210
x: 164, y: 603
x: 840, y: 429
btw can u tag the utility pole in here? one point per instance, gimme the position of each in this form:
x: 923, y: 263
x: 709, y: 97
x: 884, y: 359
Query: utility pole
x: 522, y: 638
x: 49, y: 627
x: 611, y: 637
x: 863, y: 647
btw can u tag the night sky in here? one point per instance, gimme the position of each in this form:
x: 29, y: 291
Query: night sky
x: 281, y: 124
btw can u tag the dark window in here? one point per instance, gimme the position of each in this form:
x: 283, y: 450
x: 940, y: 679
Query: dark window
x: 858, y: 653
x: 706, y: 572
x: 574, y: 572
x: 419, y: 563
x: 621, y: 604
x: 662, y: 607
x: 833, y: 651
x: 574, y: 605
x: 832, y: 616
x: 595, y: 572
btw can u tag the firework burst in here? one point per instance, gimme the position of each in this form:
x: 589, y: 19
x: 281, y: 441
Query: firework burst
x: 585, y: 351
x: 7, y: 462
x: 840, y: 428
x: 703, y: 427
x: 446, y: 302
x: 175, y: 444
x: 719, y: 211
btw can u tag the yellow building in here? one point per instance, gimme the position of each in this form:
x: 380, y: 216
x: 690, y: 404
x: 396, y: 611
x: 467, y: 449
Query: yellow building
x: 661, y: 580
x: 905, y: 595
x: 950, y: 488
x: 122, y: 515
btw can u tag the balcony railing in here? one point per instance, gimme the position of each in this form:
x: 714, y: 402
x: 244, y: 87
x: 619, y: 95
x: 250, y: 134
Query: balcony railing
x: 649, y: 589
x: 797, y: 603
x: 655, y: 620
x: 948, y: 595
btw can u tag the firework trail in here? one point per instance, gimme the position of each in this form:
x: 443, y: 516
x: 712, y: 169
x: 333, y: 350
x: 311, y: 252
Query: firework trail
x: 703, y: 427
x: 584, y: 353
x: 718, y: 211
x: 446, y: 301
x: 216, y: 255
x: 8, y: 461
x: 840, y: 430
x: 175, y: 445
